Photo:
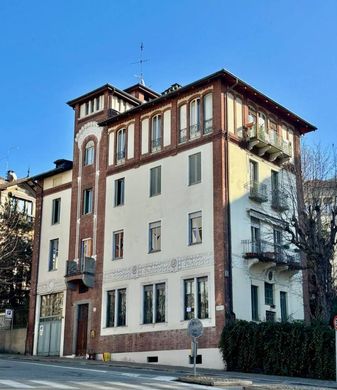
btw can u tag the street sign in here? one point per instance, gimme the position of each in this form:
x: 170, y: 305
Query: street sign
x: 195, y: 327
x: 9, y: 314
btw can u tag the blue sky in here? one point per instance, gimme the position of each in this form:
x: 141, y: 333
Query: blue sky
x: 54, y: 51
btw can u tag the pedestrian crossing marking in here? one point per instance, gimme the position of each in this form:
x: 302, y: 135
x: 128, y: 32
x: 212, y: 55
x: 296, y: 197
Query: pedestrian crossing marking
x: 54, y: 385
x: 129, y: 385
x: 165, y: 378
x: 16, y: 385
x: 93, y: 385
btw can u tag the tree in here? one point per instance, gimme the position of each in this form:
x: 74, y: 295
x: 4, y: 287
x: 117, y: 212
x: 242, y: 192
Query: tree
x: 311, y: 225
x: 15, y: 256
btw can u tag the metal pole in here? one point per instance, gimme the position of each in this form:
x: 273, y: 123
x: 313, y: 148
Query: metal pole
x: 194, y: 356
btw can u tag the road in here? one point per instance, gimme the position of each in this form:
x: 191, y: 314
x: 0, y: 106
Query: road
x: 22, y: 374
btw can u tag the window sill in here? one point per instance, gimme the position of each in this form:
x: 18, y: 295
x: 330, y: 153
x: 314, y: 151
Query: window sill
x: 119, y: 205
x: 194, y: 243
x: 154, y: 323
x: 152, y: 196
x: 154, y: 251
x: 192, y: 184
x: 89, y: 115
x: 117, y: 258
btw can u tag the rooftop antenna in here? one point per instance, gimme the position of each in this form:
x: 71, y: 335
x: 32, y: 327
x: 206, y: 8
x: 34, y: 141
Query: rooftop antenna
x: 141, y: 61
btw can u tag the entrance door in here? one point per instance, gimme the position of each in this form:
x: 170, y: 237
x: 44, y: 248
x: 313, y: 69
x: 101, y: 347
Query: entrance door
x: 82, y: 330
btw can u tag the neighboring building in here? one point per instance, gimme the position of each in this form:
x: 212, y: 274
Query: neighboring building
x: 171, y: 210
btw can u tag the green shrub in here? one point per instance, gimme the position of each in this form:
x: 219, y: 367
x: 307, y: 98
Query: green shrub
x: 292, y: 349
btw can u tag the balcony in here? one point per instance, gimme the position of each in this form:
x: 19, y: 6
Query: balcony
x: 121, y: 156
x: 208, y: 126
x: 257, y: 191
x: 279, y: 200
x: 195, y: 131
x: 270, y: 254
x: 80, y: 272
x: 155, y: 144
x: 268, y: 142
x: 182, y: 135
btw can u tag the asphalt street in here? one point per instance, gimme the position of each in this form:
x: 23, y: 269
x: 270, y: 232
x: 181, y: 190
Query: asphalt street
x: 16, y: 374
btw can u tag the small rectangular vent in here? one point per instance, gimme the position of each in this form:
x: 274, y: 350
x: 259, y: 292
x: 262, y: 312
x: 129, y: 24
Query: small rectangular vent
x: 152, y: 359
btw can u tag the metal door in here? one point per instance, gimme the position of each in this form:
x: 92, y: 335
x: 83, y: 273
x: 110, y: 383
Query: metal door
x: 49, y: 337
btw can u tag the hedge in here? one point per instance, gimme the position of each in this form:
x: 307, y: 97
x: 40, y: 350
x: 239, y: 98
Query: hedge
x: 292, y: 349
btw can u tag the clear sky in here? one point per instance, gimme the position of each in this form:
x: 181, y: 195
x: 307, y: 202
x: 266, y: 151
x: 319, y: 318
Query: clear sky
x: 54, y: 51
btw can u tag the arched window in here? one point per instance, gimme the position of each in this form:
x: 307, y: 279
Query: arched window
x: 195, y: 118
x: 208, y: 113
x: 156, y: 133
x: 121, y: 145
x: 89, y: 153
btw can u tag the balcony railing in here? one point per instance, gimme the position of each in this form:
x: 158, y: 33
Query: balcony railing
x: 279, y: 200
x: 155, y: 144
x: 182, y: 135
x: 269, y: 142
x: 85, y: 265
x: 121, y: 155
x: 257, y: 191
x: 208, y: 126
x: 195, y: 131
x: 269, y: 251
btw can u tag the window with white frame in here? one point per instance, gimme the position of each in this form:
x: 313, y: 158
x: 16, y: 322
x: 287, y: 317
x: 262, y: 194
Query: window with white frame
x: 155, y: 181
x: 53, y: 254
x: 182, y: 124
x: 194, y: 165
x: 269, y: 293
x: 86, y: 248
x: 154, y: 297
x: 196, y: 298
x: 87, y: 201
x: 255, y: 302
x: 208, y: 113
x: 118, y: 244
x: 155, y: 236
x: 116, y: 308
x: 119, y: 191
x: 89, y: 153
x: 195, y: 228
x: 92, y: 106
x: 283, y: 306
x: 121, y: 142
x: 156, y: 133
x: 56, y: 210
x: 195, y: 118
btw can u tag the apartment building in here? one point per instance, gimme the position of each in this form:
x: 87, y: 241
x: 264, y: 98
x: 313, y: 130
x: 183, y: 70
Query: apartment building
x: 169, y: 211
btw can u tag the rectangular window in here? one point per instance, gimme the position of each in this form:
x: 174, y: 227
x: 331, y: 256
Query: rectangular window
x: 194, y: 165
x: 154, y: 297
x: 53, y: 254
x: 256, y: 235
x: 119, y: 191
x: 182, y: 124
x: 87, y: 201
x: 116, y: 308
x: 86, y: 248
x: 118, y: 244
x: 155, y: 181
x: 277, y: 242
x: 269, y: 294
x: 253, y: 172
x: 196, y: 298
x: 255, y: 303
x: 208, y: 113
x: 55, y: 217
x: 155, y: 237
x: 156, y: 134
x: 283, y: 305
x: 195, y: 228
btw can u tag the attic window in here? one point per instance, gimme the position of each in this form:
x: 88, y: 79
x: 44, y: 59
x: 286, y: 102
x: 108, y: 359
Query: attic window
x: 92, y: 106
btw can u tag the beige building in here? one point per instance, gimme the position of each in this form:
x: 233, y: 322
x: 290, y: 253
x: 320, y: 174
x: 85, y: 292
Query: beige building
x: 170, y: 211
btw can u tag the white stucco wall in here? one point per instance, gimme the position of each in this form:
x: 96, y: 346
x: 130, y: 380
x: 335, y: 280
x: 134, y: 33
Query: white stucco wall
x: 240, y: 204
x: 177, y: 260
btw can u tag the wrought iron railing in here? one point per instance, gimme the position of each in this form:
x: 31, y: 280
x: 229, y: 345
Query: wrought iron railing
x: 208, y: 126
x: 257, y: 191
x: 182, y: 135
x: 195, y: 131
x: 271, y: 137
x: 156, y: 144
x: 266, y: 250
x: 121, y: 155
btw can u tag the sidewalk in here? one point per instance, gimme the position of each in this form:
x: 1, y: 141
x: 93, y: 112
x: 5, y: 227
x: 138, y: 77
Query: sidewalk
x: 260, y: 381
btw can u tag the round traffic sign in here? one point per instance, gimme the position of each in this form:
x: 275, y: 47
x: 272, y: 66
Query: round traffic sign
x: 195, y: 327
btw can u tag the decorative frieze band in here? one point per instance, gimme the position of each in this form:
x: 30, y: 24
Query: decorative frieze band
x: 90, y: 128
x: 51, y: 286
x: 161, y: 267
